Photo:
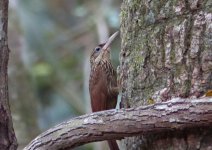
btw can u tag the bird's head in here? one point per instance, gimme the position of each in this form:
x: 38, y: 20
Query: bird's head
x: 102, y: 51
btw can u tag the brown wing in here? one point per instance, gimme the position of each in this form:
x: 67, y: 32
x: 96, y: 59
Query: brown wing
x: 101, y: 81
x: 113, y: 95
x: 98, y: 90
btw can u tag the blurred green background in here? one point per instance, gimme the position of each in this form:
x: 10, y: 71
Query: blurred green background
x: 50, y: 43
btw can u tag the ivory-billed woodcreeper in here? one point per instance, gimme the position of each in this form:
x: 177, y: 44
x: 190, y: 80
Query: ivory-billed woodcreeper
x: 103, y: 81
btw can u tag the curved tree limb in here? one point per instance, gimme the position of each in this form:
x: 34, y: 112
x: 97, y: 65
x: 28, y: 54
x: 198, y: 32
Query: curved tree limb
x: 116, y: 124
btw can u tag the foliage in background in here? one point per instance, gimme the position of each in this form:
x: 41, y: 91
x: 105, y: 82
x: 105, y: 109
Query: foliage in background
x: 50, y: 43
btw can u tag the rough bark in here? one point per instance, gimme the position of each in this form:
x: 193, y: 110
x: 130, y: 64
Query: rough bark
x: 7, y: 135
x: 176, y: 115
x: 166, y: 53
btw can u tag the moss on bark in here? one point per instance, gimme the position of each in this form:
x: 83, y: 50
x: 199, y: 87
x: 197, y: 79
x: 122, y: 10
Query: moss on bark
x: 166, y: 51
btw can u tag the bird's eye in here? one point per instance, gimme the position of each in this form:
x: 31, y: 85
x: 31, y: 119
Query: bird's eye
x: 97, y: 49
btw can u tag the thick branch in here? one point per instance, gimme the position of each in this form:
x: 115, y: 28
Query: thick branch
x: 116, y: 124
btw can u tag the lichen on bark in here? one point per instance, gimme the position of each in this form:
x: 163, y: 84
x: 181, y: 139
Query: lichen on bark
x: 165, y: 51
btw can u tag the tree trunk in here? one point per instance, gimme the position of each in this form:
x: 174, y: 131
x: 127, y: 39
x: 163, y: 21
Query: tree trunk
x: 7, y: 135
x: 166, y: 53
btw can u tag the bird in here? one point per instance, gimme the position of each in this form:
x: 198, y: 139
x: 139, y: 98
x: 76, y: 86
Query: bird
x: 103, y: 86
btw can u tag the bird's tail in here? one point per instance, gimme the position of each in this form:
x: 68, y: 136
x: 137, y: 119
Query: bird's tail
x: 113, y: 145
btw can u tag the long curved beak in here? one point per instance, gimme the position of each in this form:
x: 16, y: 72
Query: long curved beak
x: 110, y: 40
